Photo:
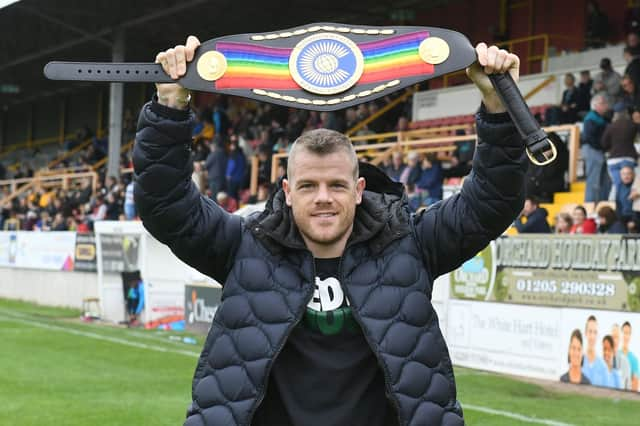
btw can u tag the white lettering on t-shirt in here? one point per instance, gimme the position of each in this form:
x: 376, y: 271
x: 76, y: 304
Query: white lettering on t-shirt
x: 328, y: 295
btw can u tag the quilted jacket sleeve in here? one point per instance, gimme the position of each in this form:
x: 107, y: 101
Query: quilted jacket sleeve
x: 195, y: 228
x: 492, y: 196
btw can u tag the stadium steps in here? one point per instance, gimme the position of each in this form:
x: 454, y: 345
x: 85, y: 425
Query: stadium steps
x: 565, y: 202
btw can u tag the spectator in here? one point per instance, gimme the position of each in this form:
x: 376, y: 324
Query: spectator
x: 536, y: 218
x: 264, y: 164
x: 581, y: 223
x: 397, y: 166
x: 632, y: 58
x: 221, y: 121
x: 235, y: 172
x: 608, y: 81
x: 198, y: 177
x: 430, y: 180
x: 99, y: 210
x: 44, y: 223
x: 598, y: 183
x: 129, y: 203
x: 59, y: 223
x: 3, y: 172
x: 216, y: 166
x: 411, y: 173
x: 609, y: 223
x: 566, y: 112
x: 630, y: 93
x: 583, y: 94
x: 113, y: 207
x: 462, y: 156
x: 564, y: 223
x: 627, y: 192
x: 618, y: 141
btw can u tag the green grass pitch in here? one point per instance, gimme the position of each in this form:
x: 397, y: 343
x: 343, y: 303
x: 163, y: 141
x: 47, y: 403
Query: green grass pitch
x: 57, y: 371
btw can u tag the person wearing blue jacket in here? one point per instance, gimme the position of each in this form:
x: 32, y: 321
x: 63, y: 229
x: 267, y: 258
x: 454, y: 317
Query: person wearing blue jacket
x: 326, y: 315
x: 236, y: 168
x: 536, y: 218
x: 431, y: 180
x: 595, y: 165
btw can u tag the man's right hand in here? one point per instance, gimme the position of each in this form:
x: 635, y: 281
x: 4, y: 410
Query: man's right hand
x: 174, y: 63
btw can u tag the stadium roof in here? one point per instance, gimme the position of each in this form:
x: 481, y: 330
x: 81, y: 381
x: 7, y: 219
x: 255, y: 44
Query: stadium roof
x: 33, y: 32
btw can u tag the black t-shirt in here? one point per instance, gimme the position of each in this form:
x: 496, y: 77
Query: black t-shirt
x: 326, y: 374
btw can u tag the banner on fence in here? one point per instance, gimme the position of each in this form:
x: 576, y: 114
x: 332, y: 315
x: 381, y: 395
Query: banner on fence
x: 38, y: 250
x: 580, y: 346
x: 200, y: 305
x: 85, y: 258
x: 595, y: 272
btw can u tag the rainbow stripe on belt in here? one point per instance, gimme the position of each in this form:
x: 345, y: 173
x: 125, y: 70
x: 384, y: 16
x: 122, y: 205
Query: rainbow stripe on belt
x: 250, y: 66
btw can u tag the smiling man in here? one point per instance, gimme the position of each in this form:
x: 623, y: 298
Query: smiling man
x: 325, y: 316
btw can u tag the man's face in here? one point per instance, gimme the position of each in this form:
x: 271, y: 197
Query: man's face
x: 627, y: 85
x: 397, y: 159
x: 529, y: 207
x: 591, y: 333
x: 568, y: 82
x: 602, y: 107
x: 627, y: 175
x: 323, y: 194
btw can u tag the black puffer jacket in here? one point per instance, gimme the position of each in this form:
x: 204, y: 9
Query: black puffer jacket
x: 387, y: 269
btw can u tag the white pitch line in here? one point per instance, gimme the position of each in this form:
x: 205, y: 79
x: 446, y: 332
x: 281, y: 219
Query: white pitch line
x: 515, y: 416
x: 99, y: 336
x: 8, y: 317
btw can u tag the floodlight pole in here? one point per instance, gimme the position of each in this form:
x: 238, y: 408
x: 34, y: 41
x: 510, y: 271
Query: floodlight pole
x: 116, y: 101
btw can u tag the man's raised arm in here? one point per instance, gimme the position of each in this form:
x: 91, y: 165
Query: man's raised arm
x: 492, y: 195
x: 196, y: 229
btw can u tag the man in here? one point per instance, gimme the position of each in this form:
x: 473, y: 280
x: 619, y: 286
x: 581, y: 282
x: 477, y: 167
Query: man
x: 397, y: 166
x: 618, y: 142
x: 595, y: 123
x: 325, y: 316
x: 607, y: 81
x: 626, y: 194
x: 216, y: 166
x: 633, y: 360
x: 566, y: 112
x: 632, y: 58
x: 630, y: 95
x: 583, y: 94
x: 536, y: 218
x: 593, y: 367
x: 620, y: 359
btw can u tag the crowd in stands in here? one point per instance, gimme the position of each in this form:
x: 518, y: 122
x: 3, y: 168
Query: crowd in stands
x: 608, y: 109
x: 226, y: 135
x: 230, y: 131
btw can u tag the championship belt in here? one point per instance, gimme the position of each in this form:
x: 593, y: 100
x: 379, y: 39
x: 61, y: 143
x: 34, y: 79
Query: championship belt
x: 323, y: 67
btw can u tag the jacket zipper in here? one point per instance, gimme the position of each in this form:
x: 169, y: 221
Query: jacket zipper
x: 281, y: 346
x: 356, y: 315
